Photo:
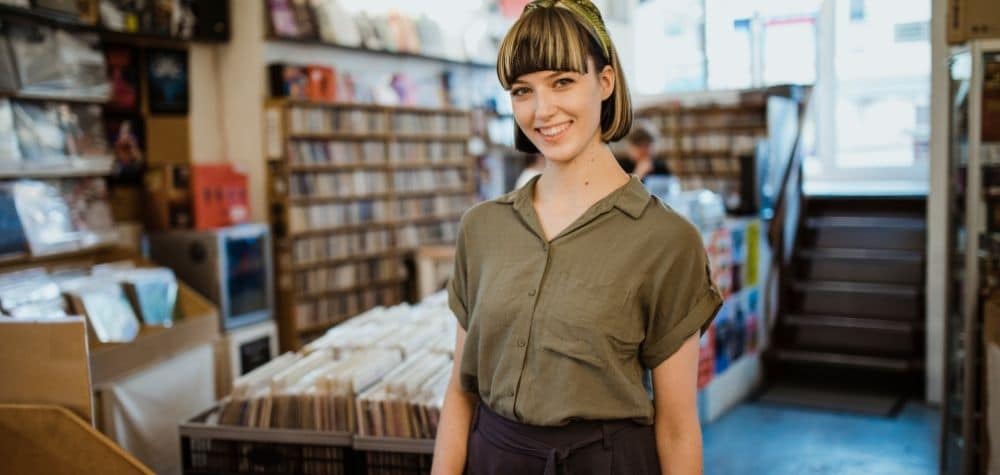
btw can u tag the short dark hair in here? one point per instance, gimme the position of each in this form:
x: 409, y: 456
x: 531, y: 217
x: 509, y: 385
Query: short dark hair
x: 640, y: 136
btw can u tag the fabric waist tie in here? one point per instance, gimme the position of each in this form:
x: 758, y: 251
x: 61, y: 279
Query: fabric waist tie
x: 553, y: 444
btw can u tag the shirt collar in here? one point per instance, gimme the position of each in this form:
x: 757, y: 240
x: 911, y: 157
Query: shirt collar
x: 631, y: 200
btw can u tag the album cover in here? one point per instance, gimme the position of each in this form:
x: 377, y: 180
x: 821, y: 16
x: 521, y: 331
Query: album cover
x: 335, y: 24
x: 10, y: 152
x: 90, y: 210
x: 13, y: 242
x: 127, y: 140
x: 289, y: 81
x: 123, y: 74
x: 106, y: 307
x: 304, y: 22
x: 45, y: 217
x: 83, y: 126
x: 167, y: 81
x: 39, y: 134
x: 8, y: 73
x: 52, y: 61
x: 153, y: 293
x: 31, y: 293
x: 322, y: 83
x: 283, y: 20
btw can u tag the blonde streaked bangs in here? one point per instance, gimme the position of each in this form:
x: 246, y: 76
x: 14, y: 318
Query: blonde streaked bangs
x: 555, y: 39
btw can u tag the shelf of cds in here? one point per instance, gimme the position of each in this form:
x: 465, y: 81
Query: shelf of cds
x: 973, y: 263
x: 354, y: 188
x: 724, y: 147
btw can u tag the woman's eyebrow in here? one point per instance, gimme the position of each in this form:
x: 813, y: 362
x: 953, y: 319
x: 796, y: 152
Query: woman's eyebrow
x: 551, y: 75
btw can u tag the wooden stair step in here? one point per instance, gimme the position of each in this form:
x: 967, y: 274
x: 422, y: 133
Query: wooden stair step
x: 883, y: 363
x: 903, y: 290
x: 863, y: 323
x: 861, y: 254
x: 882, y: 222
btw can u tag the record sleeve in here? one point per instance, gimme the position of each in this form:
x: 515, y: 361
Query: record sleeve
x: 8, y: 73
x: 13, y: 242
x: 127, y: 139
x: 30, y: 294
x: 90, y: 210
x: 39, y: 134
x: 123, y: 75
x: 83, y: 125
x: 283, y: 22
x: 10, y: 152
x: 106, y: 307
x: 152, y: 292
x: 45, y: 217
x: 51, y: 61
x: 167, y: 81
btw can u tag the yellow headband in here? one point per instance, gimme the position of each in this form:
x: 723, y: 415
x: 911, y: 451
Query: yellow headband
x: 586, y: 11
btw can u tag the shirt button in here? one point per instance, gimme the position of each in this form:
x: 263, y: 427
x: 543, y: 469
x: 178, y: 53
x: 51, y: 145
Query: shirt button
x: 520, y: 343
x: 531, y: 292
x: 511, y: 393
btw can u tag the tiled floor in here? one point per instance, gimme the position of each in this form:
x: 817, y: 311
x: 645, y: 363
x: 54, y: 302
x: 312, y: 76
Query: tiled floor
x: 760, y: 439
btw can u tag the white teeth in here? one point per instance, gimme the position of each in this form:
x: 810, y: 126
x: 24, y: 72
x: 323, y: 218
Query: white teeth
x: 551, y: 131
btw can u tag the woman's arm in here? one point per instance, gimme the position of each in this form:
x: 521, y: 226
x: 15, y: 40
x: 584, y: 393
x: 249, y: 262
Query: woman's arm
x: 456, y: 416
x: 675, y: 390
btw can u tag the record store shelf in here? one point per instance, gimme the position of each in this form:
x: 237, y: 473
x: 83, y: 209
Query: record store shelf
x: 76, y: 167
x: 367, y: 181
x: 392, y: 54
x: 68, y: 22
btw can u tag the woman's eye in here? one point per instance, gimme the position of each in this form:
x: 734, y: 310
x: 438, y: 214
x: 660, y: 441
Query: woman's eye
x: 520, y: 91
x: 561, y: 82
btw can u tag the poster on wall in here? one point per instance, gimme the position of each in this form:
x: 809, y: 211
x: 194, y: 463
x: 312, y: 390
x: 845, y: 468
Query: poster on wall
x: 127, y: 138
x: 123, y: 74
x: 167, y: 81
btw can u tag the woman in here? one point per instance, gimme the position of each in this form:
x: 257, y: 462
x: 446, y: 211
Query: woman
x: 569, y: 288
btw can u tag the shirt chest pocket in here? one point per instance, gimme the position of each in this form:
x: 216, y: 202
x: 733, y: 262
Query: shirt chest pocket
x: 591, y: 320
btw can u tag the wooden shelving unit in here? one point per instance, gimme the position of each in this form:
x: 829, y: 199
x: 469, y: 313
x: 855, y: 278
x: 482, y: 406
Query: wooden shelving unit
x: 354, y: 188
x: 712, y: 146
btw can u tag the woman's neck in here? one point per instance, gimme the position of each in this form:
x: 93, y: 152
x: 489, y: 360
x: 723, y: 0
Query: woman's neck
x: 582, y: 181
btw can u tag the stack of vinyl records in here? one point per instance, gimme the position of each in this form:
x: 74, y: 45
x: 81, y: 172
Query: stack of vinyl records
x: 381, y: 373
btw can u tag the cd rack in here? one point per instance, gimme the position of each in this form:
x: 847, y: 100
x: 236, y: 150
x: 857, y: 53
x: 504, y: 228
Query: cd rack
x: 353, y: 190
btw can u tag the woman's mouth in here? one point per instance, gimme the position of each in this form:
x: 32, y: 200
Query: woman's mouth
x: 555, y: 132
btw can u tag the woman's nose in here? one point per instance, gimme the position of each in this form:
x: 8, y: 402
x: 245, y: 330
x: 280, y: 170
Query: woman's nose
x: 545, y: 106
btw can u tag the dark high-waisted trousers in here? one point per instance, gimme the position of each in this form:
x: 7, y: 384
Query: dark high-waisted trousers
x: 500, y: 446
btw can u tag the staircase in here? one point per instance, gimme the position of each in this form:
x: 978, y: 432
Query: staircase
x: 850, y: 330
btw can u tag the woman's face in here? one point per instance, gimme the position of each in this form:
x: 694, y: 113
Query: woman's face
x: 560, y: 112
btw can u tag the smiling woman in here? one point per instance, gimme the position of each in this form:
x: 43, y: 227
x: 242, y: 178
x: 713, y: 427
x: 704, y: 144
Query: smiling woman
x: 570, y: 288
x: 559, y: 42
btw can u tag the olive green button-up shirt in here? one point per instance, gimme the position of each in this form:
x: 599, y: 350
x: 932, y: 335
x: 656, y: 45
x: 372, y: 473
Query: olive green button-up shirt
x: 562, y: 330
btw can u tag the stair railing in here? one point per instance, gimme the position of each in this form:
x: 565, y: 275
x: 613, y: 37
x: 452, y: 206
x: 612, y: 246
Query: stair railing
x: 789, y: 205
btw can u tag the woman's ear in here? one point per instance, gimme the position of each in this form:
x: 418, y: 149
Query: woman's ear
x: 607, y: 80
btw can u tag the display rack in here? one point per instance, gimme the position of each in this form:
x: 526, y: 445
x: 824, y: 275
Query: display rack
x: 69, y: 22
x: 394, y: 54
x: 973, y: 238
x: 710, y: 145
x: 724, y: 147
x: 355, y: 188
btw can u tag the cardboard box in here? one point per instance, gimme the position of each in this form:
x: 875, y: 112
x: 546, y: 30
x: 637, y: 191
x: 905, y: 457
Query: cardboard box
x: 54, y: 441
x: 973, y: 19
x: 46, y: 362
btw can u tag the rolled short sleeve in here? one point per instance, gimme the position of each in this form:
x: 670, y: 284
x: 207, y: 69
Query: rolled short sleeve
x: 457, y: 284
x: 683, y: 300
